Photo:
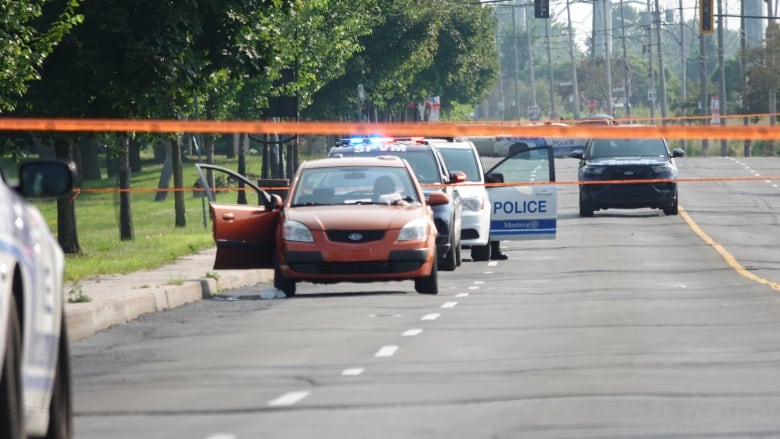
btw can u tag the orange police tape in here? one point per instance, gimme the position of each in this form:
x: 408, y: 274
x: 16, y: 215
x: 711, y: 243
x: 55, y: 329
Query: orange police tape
x: 437, y: 129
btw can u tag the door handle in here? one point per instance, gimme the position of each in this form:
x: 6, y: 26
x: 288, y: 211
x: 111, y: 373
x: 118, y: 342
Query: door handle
x: 228, y: 217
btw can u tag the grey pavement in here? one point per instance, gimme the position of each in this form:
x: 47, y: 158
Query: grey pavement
x: 117, y: 299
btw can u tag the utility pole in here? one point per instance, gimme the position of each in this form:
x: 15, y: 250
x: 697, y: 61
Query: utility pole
x: 627, y: 75
x: 651, y: 93
x: 575, y: 91
x: 683, y: 86
x: 607, y: 61
x: 549, y: 66
x: 530, y: 58
x: 724, y: 147
x: 661, y: 73
x: 516, y: 78
x: 705, y: 143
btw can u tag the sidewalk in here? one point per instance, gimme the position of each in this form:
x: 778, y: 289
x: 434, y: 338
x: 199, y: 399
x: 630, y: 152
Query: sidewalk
x: 118, y: 299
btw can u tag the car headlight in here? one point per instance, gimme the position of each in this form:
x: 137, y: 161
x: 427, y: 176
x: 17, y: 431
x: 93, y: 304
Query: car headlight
x: 473, y: 204
x: 593, y: 171
x: 662, y: 170
x: 295, y: 231
x: 414, y: 230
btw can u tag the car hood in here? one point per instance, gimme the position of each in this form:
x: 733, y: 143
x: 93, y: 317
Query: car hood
x: 355, y: 216
x: 628, y: 161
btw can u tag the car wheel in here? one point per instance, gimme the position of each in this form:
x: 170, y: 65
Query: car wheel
x: 449, y: 262
x: 428, y: 284
x: 672, y: 209
x: 286, y: 285
x: 586, y: 209
x: 480, y: 252
x: 11, y: 407
x: 61, y: 408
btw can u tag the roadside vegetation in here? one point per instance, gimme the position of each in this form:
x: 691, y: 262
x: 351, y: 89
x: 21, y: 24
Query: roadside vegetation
x: 157, y: 240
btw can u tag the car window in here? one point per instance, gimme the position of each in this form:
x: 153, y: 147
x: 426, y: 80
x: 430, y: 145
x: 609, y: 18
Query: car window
x: 627, y: 148
x: 349, y: 184
x: 461, y: 159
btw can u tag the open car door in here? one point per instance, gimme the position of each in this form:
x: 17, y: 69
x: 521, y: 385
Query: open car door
x: 524, y: 206
x: 245, y: 233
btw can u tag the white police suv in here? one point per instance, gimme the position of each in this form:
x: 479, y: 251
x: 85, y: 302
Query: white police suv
x: 35, y: 391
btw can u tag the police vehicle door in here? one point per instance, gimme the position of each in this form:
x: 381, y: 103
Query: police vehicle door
x: 523, y: 195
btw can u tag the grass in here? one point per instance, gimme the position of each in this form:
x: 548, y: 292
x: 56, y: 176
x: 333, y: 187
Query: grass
x: 157, y: 240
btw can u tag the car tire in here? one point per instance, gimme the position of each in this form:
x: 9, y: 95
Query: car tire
x: 458, y: 255
x: 480, y: 252
x: 286, y: 285
x: 428, y: 284
x: 449, y: 261
x: 672, y: 209
x: 586, y: 209
x: 11, y: 404
x: 61, y: 406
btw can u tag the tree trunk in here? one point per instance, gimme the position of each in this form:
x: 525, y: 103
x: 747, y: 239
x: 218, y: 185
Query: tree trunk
x: 125, y: 211
x: 89, y: 165
x: 135, y: 156
x: 67, y: 230
x: 178, y: 183
x: 242, y: 167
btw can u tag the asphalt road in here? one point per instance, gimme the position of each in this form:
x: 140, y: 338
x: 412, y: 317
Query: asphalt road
x: 629, y: 325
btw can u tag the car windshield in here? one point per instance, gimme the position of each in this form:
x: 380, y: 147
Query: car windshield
x: 354, y: 185
x: 600, y: 148
x: 464, y: 160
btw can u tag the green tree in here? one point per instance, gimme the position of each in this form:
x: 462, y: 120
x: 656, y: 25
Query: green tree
x: 28, y: 34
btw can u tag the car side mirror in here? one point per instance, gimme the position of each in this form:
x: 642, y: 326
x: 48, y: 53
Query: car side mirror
x: 457, y: 177
x: 576, y: 154
x: 495, y: 177
x: 436, y: 198
x: 276, y: 202
x: 677, y: 152
x: 47, y: 179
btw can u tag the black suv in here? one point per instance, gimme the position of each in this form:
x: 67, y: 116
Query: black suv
x: 432, y: 174
x: 617, y: 160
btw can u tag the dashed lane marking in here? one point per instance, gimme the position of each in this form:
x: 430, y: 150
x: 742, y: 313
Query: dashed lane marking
x: 289, y: 398
x: 386, y: 351
x: 412, y: 332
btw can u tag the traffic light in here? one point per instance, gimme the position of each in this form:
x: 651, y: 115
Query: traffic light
x: 542, y: 8
x: 706, y: 22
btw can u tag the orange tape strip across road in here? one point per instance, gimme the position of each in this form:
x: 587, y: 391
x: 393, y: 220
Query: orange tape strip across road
x: 435, y: 129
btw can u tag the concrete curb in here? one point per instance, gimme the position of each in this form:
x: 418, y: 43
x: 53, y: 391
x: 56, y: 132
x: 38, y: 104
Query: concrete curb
x: 119, y: 299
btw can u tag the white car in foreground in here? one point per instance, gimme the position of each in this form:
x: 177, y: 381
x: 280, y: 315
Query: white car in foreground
x: 35, y: 390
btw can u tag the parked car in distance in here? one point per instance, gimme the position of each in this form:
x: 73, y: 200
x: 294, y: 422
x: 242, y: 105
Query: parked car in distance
x: 462, y: 155
x: 433, y: 174
x: 350, y: 219
x: 35, y: 381
x: 619, y: 161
